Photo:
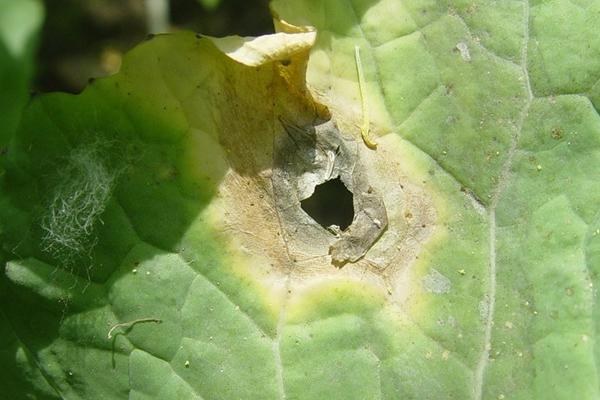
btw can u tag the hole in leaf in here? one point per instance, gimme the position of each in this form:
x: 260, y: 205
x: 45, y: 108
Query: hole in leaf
x: 330, y: 204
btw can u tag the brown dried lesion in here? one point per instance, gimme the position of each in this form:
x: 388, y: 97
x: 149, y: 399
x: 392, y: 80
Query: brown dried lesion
x: 278, y: 151
x: 280, y: 242
x: 308, y: 156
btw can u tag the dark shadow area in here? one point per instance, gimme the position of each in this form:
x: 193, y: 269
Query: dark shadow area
x: 330, y: 204
x: 231, y: 17
x: 21, y: 376
x: 87, y: 39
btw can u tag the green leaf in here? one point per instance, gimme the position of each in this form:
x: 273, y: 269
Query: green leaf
x: 156, y: 248
x: 19, y: 24
x: 112, y: 220
x: 502, y: 100
x: 210, y: 4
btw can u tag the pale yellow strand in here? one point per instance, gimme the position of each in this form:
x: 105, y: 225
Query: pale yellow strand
x: 366, y: 123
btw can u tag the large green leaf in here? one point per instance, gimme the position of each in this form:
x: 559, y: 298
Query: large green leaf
x: 155, y: 245
x: 502, y: 98
x: 19, y: 25
x: 112, y: 211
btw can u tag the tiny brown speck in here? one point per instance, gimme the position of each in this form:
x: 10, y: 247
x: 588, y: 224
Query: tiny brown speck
x: 557, y: 133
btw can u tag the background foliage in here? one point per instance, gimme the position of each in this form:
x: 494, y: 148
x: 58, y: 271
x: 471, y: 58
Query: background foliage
x: 85, y: 39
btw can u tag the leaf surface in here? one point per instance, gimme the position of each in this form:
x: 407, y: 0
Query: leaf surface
x: 111, y: 214
x: 503, y: 100
x: 162, y: 206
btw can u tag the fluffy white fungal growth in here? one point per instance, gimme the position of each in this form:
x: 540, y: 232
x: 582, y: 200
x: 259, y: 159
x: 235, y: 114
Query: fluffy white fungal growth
x: 82, y: 190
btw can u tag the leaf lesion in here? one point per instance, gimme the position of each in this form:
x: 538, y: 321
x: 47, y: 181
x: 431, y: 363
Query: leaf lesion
x: 311, y: 156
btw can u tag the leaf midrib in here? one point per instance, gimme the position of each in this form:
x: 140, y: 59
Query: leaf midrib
x: 500, y: 188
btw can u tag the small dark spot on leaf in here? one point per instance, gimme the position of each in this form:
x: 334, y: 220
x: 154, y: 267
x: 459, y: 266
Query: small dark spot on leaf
x: 557, y: 133
x: 286, y: 62
x: 91, y: 80
x: 198, y: 36
x: 150, y: 36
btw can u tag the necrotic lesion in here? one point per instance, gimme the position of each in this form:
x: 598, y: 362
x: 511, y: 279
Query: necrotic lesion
x: 82, y: 190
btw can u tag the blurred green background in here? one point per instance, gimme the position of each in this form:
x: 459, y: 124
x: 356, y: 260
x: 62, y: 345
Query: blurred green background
x: 83, y: 39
